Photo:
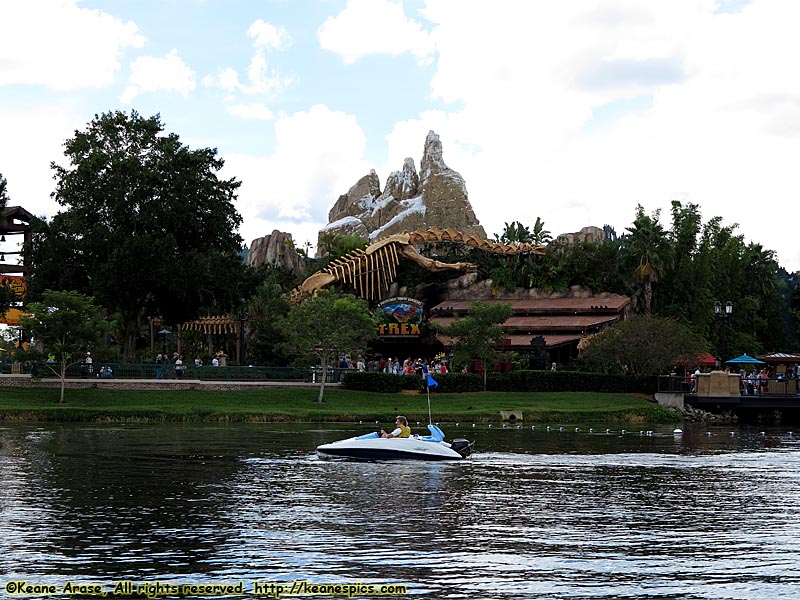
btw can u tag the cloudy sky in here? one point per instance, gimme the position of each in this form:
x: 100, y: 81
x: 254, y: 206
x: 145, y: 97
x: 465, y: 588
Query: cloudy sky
x: 574, y: 112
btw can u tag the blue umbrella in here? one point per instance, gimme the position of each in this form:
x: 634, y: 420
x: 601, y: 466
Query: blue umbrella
x: 744, y: 360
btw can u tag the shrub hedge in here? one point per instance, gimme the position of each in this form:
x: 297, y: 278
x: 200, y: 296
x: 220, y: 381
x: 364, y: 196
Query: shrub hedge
x: 514, y: 381
x: 456, y: 383
x: 570, y: 381
x: 384, y: 383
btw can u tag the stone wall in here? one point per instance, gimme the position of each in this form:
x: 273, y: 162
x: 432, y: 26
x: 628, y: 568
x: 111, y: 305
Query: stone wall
x: 149, y: 384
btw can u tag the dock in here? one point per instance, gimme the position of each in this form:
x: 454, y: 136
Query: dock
x: 772, y: 400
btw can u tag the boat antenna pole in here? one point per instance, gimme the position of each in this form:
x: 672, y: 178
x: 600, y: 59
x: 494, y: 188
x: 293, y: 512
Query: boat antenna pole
x: 430, y: 381
x: 430, y: 420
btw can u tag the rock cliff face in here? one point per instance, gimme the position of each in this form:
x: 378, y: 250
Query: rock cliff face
x: 437, y: 197
x: 276, y: 248
x: 587, y: 234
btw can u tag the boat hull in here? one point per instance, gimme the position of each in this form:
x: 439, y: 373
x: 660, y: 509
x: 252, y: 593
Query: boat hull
x: 389, y: 449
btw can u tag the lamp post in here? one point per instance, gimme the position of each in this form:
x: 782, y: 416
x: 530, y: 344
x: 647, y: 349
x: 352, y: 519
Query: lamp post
x: 723, y: 314
x: 242, y: 318
x: 166, y: 333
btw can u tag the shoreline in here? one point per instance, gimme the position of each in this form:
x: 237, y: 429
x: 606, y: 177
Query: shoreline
x: 297, y: 404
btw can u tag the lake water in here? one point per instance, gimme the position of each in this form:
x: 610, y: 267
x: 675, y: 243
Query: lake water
x: 533, y: 514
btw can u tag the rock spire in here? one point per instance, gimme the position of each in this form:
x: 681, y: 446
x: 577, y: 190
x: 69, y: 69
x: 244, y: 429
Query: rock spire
x: 436, y: 197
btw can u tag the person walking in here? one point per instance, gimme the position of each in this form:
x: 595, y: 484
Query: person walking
x: 179, y: 367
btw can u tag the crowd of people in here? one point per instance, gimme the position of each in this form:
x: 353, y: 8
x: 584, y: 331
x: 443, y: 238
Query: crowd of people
x: 756, y: 381
x: 167, y: 368
x: 420, y: 367
x: 87, y: 368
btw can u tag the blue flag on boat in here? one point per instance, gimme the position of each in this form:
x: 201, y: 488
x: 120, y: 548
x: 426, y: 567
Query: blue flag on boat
x: 431, y: 382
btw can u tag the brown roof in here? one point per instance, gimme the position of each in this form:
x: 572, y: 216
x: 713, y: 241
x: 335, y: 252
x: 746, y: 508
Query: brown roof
x: 547, y: 323
x: 780, y: 357
x: 14, y: 213
x: 558, y: 320
x: 612, y: 303
x: 524, y: 341
x: 551, y: 341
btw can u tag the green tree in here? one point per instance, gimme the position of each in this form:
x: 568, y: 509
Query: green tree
x: 7, y: 296
x: 540, y: 235
x: 721, y: 257
x: 3, y: 192
x: 514, y: 232
x: 148, y: 227
x: 519, y: 270
x: 6, y: 293
x: 478, y: 334
x: 327, y: 326
x: 793, y: 303
x: 64, y: 323
x: 646, y: 252
x: 591, y: 265
x: 685, y: 285
x: 335, y: 245
x: 641, y: 345
x: 264, y: 309
x: 765, y: 282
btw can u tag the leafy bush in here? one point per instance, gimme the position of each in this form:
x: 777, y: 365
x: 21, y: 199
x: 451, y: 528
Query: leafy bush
x: 456, y: 383
x: 387, y: 383
x: 384, y: 383
x: 514, y: 381
x: 570, y: 381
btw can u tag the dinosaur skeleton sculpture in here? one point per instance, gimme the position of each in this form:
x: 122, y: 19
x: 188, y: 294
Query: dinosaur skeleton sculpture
x: 372, y: 270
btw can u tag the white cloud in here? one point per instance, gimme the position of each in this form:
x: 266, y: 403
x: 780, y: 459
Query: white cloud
x: 266, y: 35
x: 570, y: 111
x: 318, y: 156
x: 251, y: 111
x: 56, y: 44
x: 228, y: 80
x: 722, y: 131
x: 261, y: 78
x: 26, y: 162
x: 374, y: 27
x: 152, y: 74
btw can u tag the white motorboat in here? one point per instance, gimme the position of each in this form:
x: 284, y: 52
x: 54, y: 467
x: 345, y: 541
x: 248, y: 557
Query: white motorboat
x: 373, y: 447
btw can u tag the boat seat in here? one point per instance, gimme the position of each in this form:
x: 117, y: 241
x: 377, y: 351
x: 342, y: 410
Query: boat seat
x: 437, y: 435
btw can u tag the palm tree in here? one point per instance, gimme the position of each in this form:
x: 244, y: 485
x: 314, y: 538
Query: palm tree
x: 540, y: 235
x: 762, y: 269
x: 3, y: 192
x: 514, y: 232
x: 646, y: 251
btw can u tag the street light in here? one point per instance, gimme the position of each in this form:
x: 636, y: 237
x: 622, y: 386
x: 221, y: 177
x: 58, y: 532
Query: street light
x: 723, y: 314
x: 242, y: 319
x: 166, y: 333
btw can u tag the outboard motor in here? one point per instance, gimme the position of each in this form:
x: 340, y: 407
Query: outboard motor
x: 462, y: 446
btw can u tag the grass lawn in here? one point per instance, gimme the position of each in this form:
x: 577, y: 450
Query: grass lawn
x: 299, y: 405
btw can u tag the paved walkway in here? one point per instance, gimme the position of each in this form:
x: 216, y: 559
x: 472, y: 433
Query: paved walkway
x: 154, y: 384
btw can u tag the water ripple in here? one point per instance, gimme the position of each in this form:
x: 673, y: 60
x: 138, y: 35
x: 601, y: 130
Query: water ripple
x: 623, y: 518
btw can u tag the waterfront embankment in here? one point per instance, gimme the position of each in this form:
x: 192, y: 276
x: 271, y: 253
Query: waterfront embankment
x: 281, y: 403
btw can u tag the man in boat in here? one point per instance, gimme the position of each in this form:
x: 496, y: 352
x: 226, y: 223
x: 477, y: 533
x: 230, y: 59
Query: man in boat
x: 402, y: 430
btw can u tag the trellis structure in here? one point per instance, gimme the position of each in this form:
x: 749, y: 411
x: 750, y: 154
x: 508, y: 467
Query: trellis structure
x: 212, y: 324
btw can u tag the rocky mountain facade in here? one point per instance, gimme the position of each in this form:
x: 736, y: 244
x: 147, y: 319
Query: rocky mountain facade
x: 276, y: 248
x: 591, y: 234
x: 436, y: 197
